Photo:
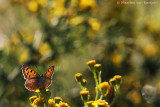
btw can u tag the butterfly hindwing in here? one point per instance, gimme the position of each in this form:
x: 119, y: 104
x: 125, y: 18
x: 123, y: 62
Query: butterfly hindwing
x: 32, y: 84
x: 49, y: 72
x: 29, y: 72
x: 48, y: 82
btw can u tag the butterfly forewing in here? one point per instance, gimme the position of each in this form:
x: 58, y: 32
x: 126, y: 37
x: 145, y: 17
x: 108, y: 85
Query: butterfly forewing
x: 49, y: 73
x: 29, y: 72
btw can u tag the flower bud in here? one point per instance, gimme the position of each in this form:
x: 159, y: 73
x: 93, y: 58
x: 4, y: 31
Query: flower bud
x: 118, y: 79
x: 78, y: 77
x: 98, y: 67
x: 84, y: 95
x: 91, y: 64
x: 112, y: 81
x: 84, y: 83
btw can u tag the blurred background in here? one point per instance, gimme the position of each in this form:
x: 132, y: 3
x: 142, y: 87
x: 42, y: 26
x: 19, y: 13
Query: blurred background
x: 124, y: 38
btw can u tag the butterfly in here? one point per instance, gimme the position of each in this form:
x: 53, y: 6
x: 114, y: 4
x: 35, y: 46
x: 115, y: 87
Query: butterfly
x: 35, y: 81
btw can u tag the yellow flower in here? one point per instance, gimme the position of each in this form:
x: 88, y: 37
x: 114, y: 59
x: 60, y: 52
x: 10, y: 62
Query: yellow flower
x: 112, y: 81
x: 24, y: 56
x: 94, y: 24
x: 32, y: 98
x: 84, y: 95
x: 98, y: 67
x: 134, y: 96
x: 57, y: 100
x: 84, y: 92
x: 78, y: 77
x: 118, y: 78
x: 92, y: 62
x: 51, y: 103
x: 90, y: 103
x: 150, y: 49
x: 76, y: 20
x: 28, y: 37
x: 102, y: 103
x: 15, y: 39
x: 37, y: 101
x: 59, y: 9
x: 104, y: 88
x: 74, y: 3
x: 42, y: 3
x: 38, y: 91
x: 116, y: 58
x: 84, y: 83
x: 33, y: 6
x: 62, y: 104
x: 85, y: 4
x: 45, y: 49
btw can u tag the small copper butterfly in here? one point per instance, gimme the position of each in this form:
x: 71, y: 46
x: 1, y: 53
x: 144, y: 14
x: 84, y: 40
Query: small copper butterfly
x: 35, y: 81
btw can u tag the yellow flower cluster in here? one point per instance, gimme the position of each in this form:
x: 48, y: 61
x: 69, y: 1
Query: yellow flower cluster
x: 102, y: 88
x: 45, y: 100
x: 34, y: 5
x: 98, y: 103
x: 19, y: 45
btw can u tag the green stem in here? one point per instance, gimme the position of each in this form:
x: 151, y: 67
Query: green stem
x: 99, y: 77
x: 85, y: 103
x: 101, y: 97
x: 83, y: 88
x: 96, y: 81
x: 116, y: 88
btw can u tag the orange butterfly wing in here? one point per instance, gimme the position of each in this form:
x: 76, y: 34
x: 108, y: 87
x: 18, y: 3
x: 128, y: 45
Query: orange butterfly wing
x: 32, y: 84
x: 48, y: 76
x: 49, y: 72
x: 29, y: 73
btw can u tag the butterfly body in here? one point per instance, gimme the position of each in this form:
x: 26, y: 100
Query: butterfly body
x: 34, y: 80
